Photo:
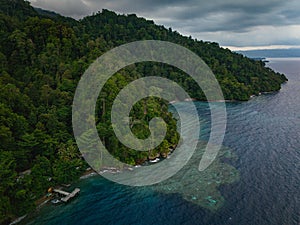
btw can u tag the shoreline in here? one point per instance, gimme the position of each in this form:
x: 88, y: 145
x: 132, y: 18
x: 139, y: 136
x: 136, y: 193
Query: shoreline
x: 42, y: 201
x: 226, y: 100
x: 212, y: 101
x: 90, y: 172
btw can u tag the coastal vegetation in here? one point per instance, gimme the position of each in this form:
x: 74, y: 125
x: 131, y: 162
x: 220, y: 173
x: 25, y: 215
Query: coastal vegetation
x: 42, y: 57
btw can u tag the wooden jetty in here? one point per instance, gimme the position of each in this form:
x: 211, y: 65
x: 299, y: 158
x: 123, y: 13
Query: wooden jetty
x: 67, y: 195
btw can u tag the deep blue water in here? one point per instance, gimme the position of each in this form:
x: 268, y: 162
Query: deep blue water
x: 264, y: 133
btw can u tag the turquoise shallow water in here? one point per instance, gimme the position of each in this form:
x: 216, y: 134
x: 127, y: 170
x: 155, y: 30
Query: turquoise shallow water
x: 265, y: 135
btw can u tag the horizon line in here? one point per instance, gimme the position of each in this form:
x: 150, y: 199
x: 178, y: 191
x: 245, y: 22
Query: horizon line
x: 265, y: 47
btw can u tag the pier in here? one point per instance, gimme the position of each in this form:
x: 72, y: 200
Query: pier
x: 67, y: 195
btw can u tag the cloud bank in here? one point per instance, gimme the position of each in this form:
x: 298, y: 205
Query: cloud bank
x: 236, y: 23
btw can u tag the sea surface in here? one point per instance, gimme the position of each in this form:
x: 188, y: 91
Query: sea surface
x: 264, y: 134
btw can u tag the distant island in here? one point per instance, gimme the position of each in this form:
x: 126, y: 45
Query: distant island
x: 42, y: 57
x: 272, y: 53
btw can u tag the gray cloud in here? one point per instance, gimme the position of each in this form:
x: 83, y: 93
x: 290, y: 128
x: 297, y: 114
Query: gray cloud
x: 220, y: 20
x: 72, y: 8
x: 227, y: 16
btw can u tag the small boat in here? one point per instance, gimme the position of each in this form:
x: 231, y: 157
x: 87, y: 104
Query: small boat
x: 55, y: 201
x: 154, y: 160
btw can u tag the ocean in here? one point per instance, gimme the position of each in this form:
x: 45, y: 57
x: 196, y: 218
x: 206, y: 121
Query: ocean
x: 264, y: 136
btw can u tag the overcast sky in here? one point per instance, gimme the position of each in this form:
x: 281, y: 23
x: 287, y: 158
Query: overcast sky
x: 235, y: 23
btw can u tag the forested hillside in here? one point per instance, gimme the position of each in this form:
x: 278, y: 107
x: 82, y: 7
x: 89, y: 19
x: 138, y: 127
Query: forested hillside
x: 43, y: 55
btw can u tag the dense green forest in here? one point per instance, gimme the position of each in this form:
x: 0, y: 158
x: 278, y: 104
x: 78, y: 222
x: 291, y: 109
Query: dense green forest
x: 43, y: 55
